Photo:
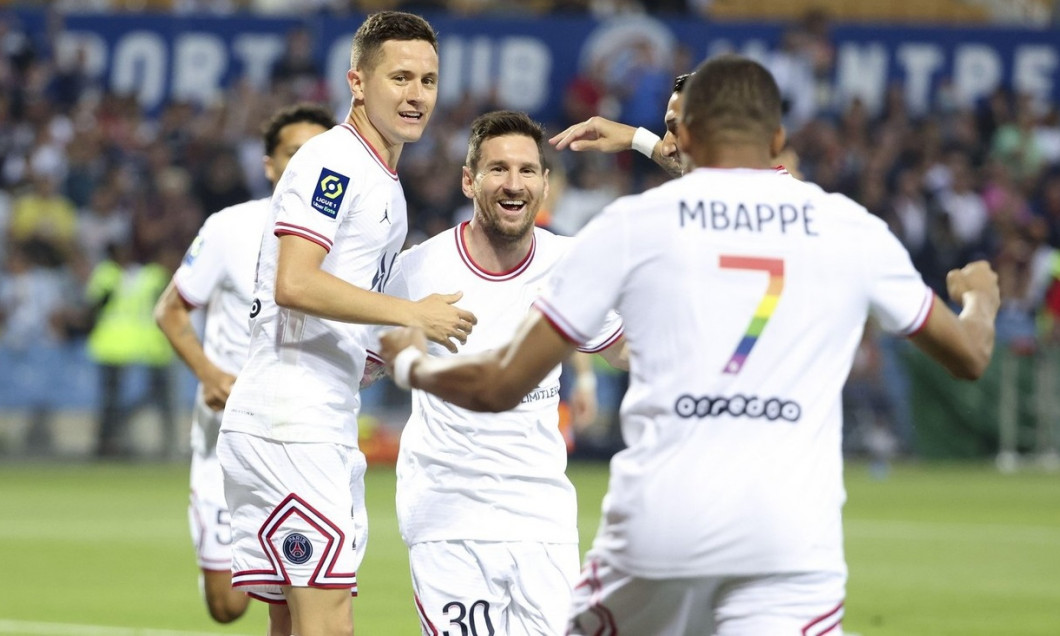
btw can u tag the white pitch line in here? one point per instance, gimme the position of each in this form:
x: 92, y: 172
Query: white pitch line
x: 27, y: 628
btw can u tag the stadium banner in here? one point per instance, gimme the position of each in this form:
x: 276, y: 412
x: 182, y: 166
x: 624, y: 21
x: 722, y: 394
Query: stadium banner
x: 526, y: 64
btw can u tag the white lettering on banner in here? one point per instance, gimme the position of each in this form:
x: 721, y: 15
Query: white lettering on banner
x: 199, y: 63
x: 527, y: 63
x: 920, y: 62
x: 516, y: 68
x: 257, y: 53
x: 976, y: 72
x: 1034, y: 69
x: 139, y: 67
x: 479, y: 79
x: 861, y: 72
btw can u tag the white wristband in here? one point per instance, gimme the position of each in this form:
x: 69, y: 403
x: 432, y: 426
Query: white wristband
x: 403, y: 365
x: 644, y: 141
x: 585, y: 381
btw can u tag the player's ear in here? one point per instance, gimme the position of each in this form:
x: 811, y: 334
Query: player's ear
x: 544, y: 193
x: 467, y: 183
x: 355, y: 78
x: 780, y: 137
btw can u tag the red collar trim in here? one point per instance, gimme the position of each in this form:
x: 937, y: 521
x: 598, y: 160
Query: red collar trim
x: 370, y: 148
x: 465, y: 255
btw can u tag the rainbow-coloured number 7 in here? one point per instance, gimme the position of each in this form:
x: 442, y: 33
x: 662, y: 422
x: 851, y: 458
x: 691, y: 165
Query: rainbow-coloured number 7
x: 775, y: 268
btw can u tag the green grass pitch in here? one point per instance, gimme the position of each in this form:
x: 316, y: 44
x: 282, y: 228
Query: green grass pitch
x: 934, y: 550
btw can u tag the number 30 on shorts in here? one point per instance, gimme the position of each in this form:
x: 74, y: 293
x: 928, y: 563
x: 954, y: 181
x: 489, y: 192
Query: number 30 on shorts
x: 472, y: 620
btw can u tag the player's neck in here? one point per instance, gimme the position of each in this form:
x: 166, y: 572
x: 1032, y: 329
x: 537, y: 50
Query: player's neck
x: 388, y: 152
x: 754, y: 156
x: 493, y: 255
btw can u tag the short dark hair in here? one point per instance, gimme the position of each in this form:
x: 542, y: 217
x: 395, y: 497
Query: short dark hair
x: 497, y: 124
x: 679, y: 82
x: 304, y: 112
x: 732, y: 96
x: 384, y: 26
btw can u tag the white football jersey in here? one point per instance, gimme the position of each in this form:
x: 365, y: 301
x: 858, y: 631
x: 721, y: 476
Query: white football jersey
x: 218, y: 273
x: 464, y: 475
x: 300, y: 381
x: 744, y: 294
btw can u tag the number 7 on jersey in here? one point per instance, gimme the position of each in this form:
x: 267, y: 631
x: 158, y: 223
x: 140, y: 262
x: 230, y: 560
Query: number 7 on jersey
x: 775, y: 268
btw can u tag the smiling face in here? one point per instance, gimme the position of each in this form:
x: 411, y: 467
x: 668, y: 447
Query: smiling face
x: 508, y: 186
x: 398, y: 93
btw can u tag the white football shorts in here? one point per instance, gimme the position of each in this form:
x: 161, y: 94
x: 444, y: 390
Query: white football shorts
x: 608, y: 602
x: 298, y: 515
x: 211, y: 528
x: 483, y: 587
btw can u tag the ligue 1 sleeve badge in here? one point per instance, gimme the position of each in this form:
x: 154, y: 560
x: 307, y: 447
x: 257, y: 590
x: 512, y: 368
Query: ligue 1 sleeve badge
x: 297, y: 548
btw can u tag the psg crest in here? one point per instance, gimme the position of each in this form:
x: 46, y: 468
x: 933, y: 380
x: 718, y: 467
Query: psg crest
x: 297, y: 548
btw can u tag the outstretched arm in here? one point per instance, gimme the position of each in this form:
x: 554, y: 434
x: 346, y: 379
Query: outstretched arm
x: 603, y: 135
x: 492, y: 381
x: 302, y: 285
x: 173, y: 315
x: 963, y: 343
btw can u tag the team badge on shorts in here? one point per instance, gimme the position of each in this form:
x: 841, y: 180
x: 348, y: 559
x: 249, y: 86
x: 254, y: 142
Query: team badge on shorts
x: 297, y: 548
x: 331, y: 187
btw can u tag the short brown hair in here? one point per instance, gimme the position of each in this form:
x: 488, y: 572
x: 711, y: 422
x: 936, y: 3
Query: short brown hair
x: 497, y: 124
x: 305, y: 112
x: 384, y: 26
x: 731, y: 95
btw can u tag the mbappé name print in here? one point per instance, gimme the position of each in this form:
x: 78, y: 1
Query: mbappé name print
x: 737, y: 216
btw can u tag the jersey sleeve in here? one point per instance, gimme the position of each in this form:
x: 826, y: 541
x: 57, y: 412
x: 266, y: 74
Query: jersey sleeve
x: 313, y: 196
x: 607, y: 336
x: 203, y: 267
x: 898, y: 297
x: 585, y: 285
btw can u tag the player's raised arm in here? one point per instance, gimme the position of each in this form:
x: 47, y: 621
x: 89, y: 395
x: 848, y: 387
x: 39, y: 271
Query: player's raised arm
x: 492, y: 381
x: 596, y: 134
x: 963, y: 343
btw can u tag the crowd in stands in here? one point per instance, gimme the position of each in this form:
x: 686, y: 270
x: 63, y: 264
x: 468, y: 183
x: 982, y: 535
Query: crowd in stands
x: 84, y: 172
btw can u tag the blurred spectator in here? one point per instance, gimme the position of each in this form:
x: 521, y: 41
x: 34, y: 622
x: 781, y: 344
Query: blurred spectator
x: 909, y: 208
x: 85, y: 166
x: 32, y: 294
x: 642, y: 83
x: 122, y: 295
x: 590, y: 186
x: 220, y: 182
x: 964, y: 207
x: 105, y: 221
x: 793, y: 67
x: 1047, y: 135
x: 587, y: 96
x: 166, y: 216
x: 43, y: 213
x: 1047, y: 208
x: 297, y: 72
x: 1015, y: 145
